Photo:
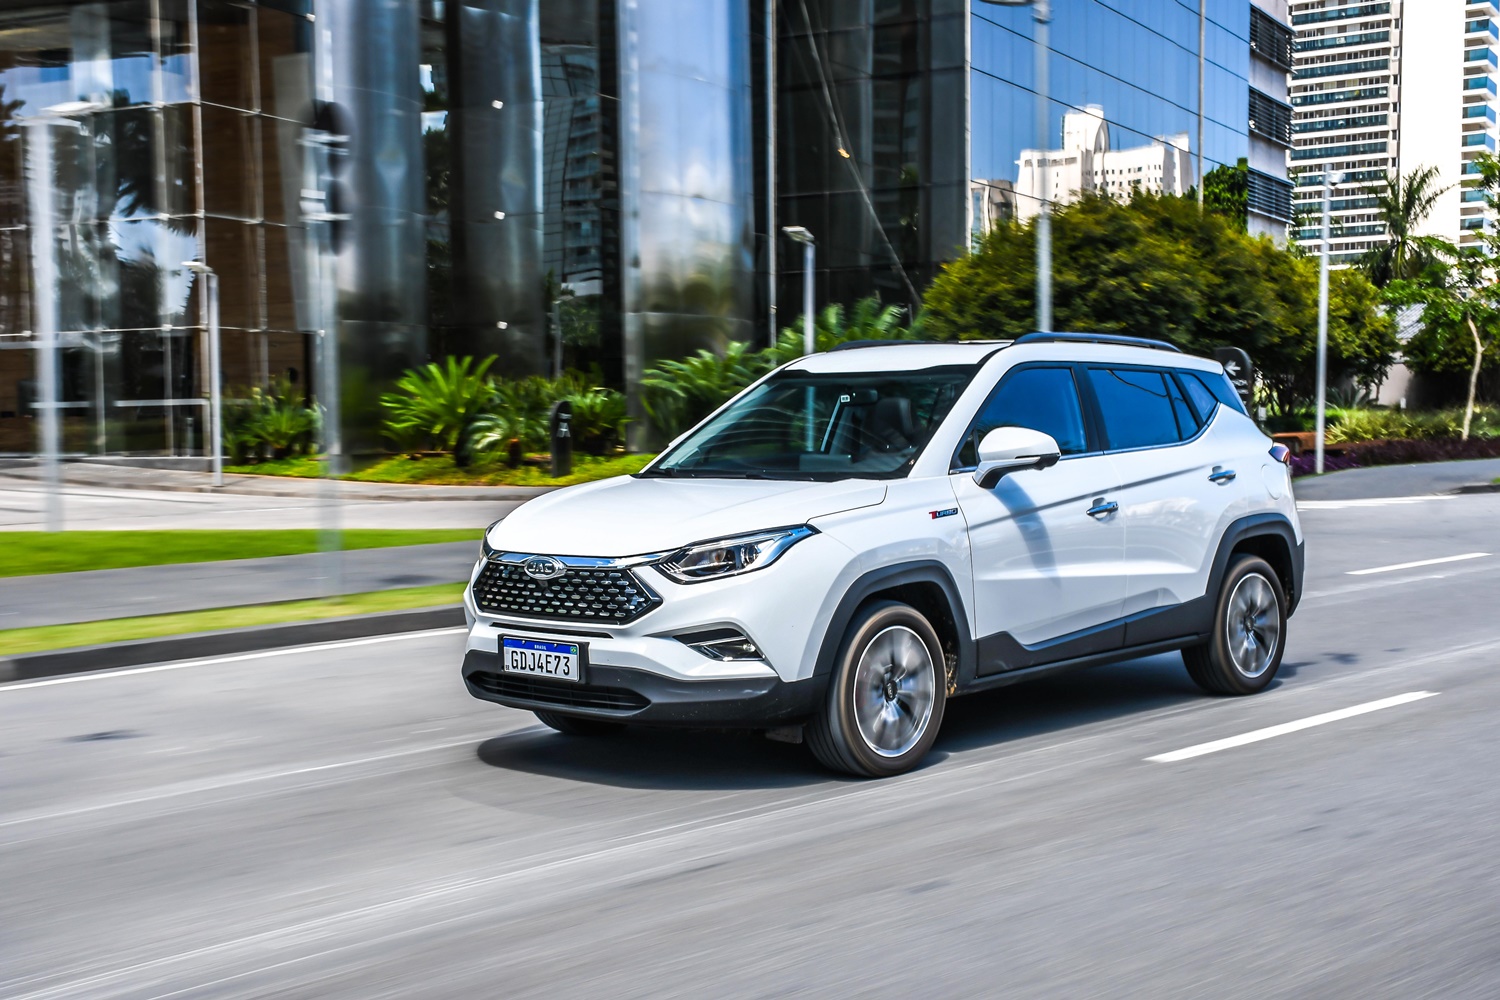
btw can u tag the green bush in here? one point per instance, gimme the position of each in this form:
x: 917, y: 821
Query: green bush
x: 1352, y: 425
x: 436, y: 406
x: 599, y: 420
x: 678, y: 394
x: 272, y: 423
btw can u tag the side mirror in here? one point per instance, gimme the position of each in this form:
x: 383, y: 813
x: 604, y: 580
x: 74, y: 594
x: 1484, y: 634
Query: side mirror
x: 1010, y: 449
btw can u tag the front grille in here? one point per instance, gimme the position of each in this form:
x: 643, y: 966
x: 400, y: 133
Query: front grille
x: 560, y: 694
x: 610, y: 596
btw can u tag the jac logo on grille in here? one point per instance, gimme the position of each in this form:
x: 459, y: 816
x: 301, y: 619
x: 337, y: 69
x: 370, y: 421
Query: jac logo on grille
x: 543, y: 568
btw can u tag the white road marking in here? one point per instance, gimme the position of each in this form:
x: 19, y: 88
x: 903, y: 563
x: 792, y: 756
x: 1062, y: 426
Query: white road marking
x: 1368, y: 502
x: 1414, y: 565
x: 1288, y: 727
x: 235, y: 781
x: 239, y: 657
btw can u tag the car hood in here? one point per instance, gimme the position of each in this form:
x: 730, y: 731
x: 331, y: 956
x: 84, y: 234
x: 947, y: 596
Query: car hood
x: 627, y: 516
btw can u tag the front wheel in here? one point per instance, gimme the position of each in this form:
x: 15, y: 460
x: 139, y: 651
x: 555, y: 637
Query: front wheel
x: 1249, y: 632
x: 886, y: 696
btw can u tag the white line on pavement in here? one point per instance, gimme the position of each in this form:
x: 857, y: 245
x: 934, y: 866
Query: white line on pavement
x: 215, y: 661
x: 1288, y: 727
x: 1413, y: 565
x: 1368, y: 502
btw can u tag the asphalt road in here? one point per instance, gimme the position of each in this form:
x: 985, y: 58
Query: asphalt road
x: 344, y: 821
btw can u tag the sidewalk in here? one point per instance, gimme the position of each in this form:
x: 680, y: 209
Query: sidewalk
x: 126, y: 477
x: 64, y: 598
x: 1397, y: 480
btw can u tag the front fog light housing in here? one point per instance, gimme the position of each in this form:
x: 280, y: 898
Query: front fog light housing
x: 731, y: 556
x: 722, y: 644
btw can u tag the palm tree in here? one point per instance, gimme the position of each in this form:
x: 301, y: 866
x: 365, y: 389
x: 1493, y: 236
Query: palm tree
x: 1402, y: 204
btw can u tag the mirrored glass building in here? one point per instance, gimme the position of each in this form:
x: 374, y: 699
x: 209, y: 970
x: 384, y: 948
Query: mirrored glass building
x: 565, y: 184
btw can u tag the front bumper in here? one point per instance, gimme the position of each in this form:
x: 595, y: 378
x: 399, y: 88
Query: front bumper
x: 621, y: 694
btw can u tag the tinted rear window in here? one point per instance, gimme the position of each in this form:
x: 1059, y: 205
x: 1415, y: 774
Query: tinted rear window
x: 1136, y: 407
x: 1220, y: 387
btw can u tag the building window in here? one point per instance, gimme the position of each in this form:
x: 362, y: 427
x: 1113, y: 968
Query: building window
x: 1270, y: 118
x: 1270, y: 196
x: 1270, y: 39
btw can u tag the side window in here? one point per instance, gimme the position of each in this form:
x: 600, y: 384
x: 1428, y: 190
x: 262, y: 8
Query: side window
x: 1187, y: 420
x: 1136, y: 407
x: 1203, y: 401
x: 1043, y: 399
x: 1222, y: 389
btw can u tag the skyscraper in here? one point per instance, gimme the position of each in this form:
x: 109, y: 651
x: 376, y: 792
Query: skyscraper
x: 1390, y: 88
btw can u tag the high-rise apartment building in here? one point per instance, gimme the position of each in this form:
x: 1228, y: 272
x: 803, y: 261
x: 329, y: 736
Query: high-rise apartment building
x: 1346, y: 98
x: 1389, y: 88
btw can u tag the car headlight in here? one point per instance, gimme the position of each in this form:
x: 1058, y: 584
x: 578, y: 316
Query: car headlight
x: 484, y: 540
x: 731, y: 556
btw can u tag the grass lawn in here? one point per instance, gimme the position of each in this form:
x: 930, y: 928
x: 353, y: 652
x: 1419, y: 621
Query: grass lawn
x: 14, y: 642
x: 26, y: 553
x: 439, y: 470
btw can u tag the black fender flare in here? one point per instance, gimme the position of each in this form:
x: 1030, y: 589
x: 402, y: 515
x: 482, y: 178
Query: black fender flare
x: 929, y: 571
x: 1274, y: 525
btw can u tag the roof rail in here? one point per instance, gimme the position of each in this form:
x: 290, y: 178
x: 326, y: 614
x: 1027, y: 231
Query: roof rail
x: 1097, y: 338
x: 854, y: 345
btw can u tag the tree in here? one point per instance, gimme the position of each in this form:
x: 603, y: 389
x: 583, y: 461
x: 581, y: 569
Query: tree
x: 1156, y: 266
x: 1401, y: 204
x: 1458, y: 300
x: 1460, y: 297
x: 1226, y: 190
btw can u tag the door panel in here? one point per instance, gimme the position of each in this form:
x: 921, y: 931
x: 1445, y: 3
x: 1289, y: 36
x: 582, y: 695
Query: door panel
x: 1043, y: 567
x: 1169, y: 506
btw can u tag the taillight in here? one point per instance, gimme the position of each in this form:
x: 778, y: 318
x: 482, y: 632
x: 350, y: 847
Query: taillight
x: 1281, y: 453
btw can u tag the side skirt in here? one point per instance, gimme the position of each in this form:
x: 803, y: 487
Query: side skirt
x: 1077, y: 663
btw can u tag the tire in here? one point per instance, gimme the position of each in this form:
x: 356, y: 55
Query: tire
x: 572, y: 725
x: 1249, y: 632
x: 892, y: 657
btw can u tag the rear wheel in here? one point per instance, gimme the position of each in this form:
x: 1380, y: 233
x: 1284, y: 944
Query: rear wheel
x: 886, y: 696
x: 572, y: 725
x: 1249, y: 632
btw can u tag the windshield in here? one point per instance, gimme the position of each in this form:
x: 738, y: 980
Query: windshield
x: 801, y: 425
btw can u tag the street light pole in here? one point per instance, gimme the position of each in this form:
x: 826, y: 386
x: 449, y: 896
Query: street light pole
x: 44, y: 267
x: 1330, y: 179
x: 1041, y: 14
x: 809, y: 322
x: 1202, y: 69
x: 215, y: 369
x: 43, y: 221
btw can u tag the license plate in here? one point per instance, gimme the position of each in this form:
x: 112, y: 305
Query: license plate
x: 560, y: 661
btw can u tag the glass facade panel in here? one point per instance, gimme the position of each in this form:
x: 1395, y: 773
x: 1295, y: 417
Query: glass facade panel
x: 1123, y: 92
x: 871, y: 112
x: 574, y: 184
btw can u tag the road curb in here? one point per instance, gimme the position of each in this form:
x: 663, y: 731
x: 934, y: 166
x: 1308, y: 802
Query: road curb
x: 135, y: 653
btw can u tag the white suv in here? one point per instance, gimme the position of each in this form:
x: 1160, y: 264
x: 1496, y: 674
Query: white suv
x: 864, y: 534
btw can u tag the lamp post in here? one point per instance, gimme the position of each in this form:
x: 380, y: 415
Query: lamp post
x: 1331, y: 179
x: 215, y: 368
x: 44, y: 273
x: 1041, y: 14
x: 809, y: 324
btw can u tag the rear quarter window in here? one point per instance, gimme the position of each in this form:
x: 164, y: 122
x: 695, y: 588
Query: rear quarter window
x: 1218, y: 386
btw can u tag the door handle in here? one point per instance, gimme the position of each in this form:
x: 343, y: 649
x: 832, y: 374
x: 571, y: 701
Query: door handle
x: 1102, y: 508
x: 1221, y: 475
